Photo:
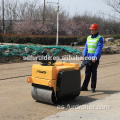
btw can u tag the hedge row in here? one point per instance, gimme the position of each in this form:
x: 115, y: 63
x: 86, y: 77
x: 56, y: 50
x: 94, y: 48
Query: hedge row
x: 44, y: 39
x: 37, y: 39
x: 116, y: 36
x: 82, y: 40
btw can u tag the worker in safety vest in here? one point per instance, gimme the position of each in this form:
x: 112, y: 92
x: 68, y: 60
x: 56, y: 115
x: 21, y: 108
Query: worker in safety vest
x: 92, y: 51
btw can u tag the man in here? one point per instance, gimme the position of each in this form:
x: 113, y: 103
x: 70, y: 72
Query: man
x: 92, y: 50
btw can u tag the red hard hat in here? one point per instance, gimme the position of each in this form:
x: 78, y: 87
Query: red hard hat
x: 94, y: 26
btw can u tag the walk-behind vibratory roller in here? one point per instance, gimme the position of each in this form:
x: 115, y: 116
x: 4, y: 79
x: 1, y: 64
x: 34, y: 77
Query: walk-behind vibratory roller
x: 55, y: 81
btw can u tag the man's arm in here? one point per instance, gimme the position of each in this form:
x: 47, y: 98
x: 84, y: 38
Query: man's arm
x: 85, y: 51
x: 99, y: 47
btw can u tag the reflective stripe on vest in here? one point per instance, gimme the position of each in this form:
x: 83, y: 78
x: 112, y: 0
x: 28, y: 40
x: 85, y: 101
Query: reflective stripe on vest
x: 92, y: 43
x: 91, y: 49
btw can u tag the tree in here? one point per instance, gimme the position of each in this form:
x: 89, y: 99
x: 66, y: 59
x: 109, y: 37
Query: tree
x: 115, y: 4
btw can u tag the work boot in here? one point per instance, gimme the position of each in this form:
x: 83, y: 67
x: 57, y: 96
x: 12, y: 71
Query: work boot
x: 93, y: 90
x: 84, y: 89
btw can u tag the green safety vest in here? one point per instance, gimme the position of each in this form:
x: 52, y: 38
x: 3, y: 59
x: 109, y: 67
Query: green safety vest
x: 92, y: 43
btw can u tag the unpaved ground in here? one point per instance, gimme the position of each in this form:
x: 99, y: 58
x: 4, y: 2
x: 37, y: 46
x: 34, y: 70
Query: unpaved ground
x: 15, y: 98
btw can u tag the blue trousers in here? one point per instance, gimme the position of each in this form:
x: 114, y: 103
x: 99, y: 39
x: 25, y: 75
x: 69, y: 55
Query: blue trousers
x: 91, y: 72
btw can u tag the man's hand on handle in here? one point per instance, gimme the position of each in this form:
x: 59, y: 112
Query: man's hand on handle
x: 93, y: 60
x: 83, y: 59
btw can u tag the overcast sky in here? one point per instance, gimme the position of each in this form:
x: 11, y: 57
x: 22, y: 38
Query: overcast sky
x: 80, y: 6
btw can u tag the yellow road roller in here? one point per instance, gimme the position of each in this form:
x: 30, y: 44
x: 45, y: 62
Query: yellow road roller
x: 54, y: 81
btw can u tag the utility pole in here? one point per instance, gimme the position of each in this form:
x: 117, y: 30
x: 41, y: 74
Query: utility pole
x: 57, y: 36
x: 44, y: 14
x: 57, y: 23
x: 3, y: 22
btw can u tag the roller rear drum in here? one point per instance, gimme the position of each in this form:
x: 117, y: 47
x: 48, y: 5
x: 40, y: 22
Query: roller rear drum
x: 47, y: 96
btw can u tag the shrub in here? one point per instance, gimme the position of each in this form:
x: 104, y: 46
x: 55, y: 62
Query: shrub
x: 1, y: 38
x: 116, y: 36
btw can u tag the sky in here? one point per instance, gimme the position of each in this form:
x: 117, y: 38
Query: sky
x: 81, y: 6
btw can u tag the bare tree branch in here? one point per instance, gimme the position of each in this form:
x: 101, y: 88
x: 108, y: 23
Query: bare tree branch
x: 115, y: 4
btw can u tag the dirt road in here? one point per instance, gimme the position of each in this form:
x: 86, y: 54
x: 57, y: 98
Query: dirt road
x: 16, y: 102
